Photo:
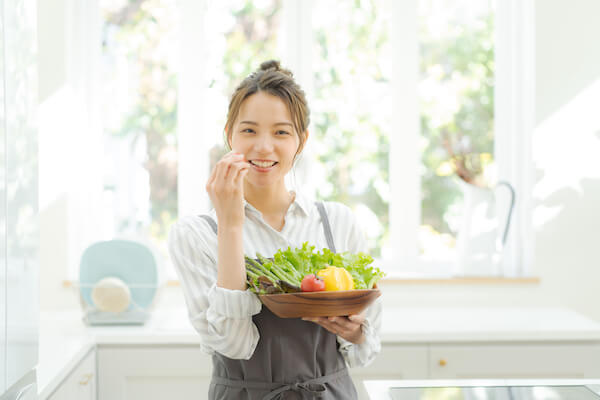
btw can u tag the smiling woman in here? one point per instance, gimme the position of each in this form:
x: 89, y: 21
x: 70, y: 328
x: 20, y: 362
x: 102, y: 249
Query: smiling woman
x: 255, y: 214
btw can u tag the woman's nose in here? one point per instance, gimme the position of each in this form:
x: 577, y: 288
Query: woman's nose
x: 263, y: 143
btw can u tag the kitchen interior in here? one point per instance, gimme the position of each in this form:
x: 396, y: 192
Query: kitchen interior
x: 491, y: 289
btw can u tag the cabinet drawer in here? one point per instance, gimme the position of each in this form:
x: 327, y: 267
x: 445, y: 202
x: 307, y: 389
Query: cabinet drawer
x: 153, y: 372
x: 396, y: 362
x: 81, y: 383
x: 393, y: 362
x: 515, y: 360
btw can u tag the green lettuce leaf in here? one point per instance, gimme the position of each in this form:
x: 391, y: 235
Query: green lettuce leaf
x: 293, y: 264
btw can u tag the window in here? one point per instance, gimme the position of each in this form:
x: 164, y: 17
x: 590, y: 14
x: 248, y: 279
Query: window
x: 138, y: 103
x: 394, y: 88
x: 456, y: 103
x: 240, y: 33
x: 351, y: 111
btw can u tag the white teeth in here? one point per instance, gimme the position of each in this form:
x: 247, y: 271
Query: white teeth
x: 263, y: 164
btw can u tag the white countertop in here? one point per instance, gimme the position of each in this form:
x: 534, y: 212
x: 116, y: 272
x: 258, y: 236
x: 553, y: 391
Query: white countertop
x: 486, y: 324
x: 379, y: 389
x: 65, y: 339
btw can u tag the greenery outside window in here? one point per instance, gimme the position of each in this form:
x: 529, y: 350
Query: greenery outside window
x: 396, y: 90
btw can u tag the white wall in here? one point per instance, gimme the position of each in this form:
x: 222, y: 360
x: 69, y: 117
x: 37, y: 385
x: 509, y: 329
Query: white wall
x: 566, y: 152
x: 566, y: 148
x: 52, y: 57
x: 69, y: 146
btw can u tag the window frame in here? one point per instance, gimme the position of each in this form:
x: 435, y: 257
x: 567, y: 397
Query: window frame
x: 514, y: 114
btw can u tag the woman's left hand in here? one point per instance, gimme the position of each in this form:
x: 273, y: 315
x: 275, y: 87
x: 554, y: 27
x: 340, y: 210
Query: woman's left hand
x: 348, y: 328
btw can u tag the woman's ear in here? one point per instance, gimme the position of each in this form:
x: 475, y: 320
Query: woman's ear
x: 301, y: 147
x: 228, y: 138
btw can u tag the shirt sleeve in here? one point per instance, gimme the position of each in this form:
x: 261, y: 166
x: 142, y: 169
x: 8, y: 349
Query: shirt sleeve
x: 222, y: 317
x: 360, y: 355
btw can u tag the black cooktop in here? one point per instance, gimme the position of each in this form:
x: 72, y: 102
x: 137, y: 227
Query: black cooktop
x: 494, y: 393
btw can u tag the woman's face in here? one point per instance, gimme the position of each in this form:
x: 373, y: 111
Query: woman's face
x: 263, y: 132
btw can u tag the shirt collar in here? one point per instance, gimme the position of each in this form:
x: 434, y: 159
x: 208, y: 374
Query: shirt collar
x: 300, y: 202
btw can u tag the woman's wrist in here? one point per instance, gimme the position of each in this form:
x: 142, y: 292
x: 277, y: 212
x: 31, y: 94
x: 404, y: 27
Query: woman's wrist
x: 231, y: 265
x: 230, y: 229
x: 359, y: 336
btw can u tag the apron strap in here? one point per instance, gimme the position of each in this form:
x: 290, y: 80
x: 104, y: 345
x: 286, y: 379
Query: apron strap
x: 326, y: 226
x: 211, y: 222
x: 315, y: 386
x: 324, y: 219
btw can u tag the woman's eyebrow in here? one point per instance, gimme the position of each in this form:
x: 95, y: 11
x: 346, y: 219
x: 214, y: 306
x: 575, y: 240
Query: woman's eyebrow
x: 275, y: 124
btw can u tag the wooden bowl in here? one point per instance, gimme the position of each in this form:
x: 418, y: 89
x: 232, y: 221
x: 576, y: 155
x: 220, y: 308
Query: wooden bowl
x: 320, y: 304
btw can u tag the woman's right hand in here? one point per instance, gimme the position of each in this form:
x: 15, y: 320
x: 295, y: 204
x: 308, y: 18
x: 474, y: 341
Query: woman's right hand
x: 225, y: 188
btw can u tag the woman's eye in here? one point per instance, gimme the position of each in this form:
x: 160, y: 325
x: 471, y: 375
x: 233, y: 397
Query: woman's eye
x: 282, y: 133
x: 247, y: 130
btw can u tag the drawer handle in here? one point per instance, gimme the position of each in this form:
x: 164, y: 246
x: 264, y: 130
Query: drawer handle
x: 86, y: 379
x: 443, y: 362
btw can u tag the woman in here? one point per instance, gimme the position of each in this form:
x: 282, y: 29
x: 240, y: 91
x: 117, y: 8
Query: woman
x: 257, y: 355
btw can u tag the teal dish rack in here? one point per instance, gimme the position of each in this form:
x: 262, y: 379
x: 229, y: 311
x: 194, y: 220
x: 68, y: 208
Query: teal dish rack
x: 130, y: 261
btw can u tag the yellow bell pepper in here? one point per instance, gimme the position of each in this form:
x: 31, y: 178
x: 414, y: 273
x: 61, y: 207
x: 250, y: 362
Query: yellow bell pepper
x: 336, y: 278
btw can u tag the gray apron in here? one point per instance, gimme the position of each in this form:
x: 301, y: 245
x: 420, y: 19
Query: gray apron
x: 294, y: 359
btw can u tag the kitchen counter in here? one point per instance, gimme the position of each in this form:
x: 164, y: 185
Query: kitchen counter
x: 65, y: 339
x: 379, y: 389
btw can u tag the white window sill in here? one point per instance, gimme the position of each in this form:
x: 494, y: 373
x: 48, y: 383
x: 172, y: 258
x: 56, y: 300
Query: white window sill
x: 413, y: 279
x: 409, y: 279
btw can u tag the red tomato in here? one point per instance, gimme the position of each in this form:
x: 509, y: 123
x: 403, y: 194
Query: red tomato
x: 312, y: 283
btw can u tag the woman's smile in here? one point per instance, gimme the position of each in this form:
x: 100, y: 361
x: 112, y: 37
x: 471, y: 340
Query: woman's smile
x: 262, y: 165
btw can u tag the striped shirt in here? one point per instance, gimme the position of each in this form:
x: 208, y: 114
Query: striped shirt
x: 223, y: 317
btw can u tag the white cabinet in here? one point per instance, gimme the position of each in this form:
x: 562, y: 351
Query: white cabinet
x: 152, y: 372
x: 80, y: 384
x: 159, y: 371
x: 515, y: 360
x: 485, y: 360
x: 395, y: 361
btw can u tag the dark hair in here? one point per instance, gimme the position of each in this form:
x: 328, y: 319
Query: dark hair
x: 271, y: 78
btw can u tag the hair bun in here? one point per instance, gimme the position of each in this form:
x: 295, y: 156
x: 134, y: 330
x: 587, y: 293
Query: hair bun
x: 275, y: 66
